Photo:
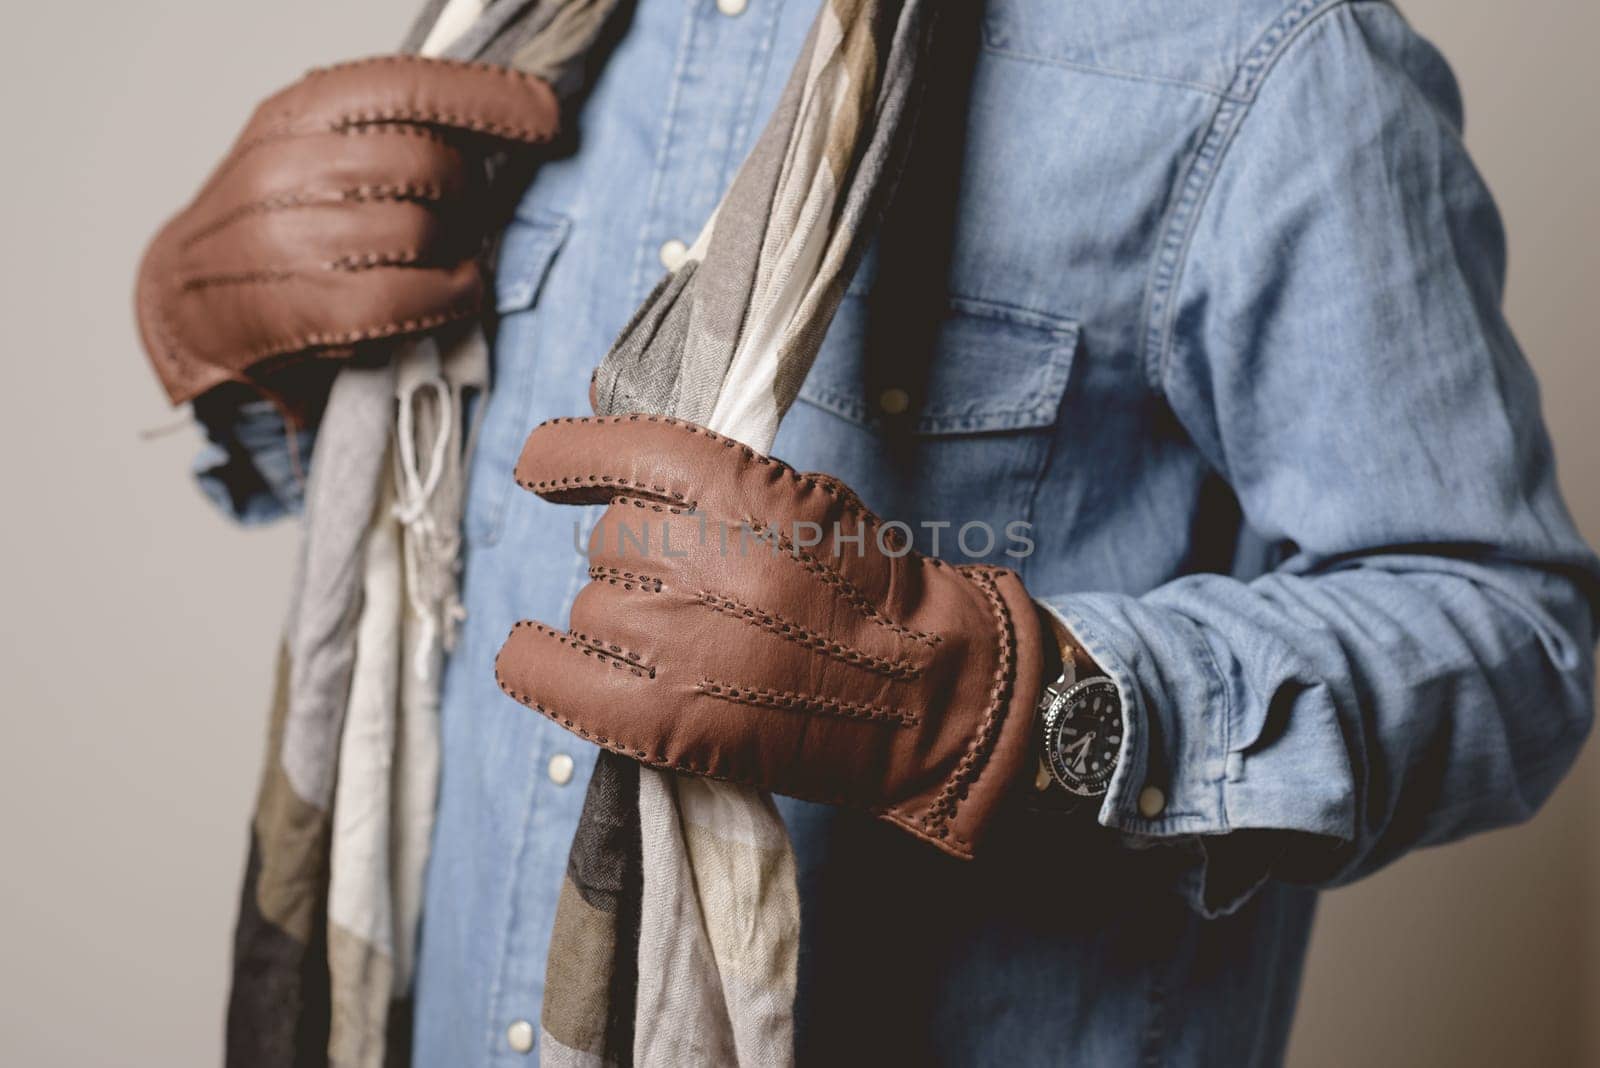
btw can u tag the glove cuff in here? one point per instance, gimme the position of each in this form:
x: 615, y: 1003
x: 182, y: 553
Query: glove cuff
x: 1001, y: 746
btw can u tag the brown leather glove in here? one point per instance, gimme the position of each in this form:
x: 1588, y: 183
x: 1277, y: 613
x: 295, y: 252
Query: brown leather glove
x: 353, y: 206
x: 714, y: 640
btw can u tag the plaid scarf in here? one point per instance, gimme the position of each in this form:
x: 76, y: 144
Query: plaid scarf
x: 324, y: 945
x: 677, y: 928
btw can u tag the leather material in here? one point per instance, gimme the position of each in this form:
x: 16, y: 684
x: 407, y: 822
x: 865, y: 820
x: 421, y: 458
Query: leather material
x: 354, y: 206
x: 874, y: 677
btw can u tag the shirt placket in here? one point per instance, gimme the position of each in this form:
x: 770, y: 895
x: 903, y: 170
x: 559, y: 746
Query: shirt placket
x: 711, y: 120
x: 714, y: 107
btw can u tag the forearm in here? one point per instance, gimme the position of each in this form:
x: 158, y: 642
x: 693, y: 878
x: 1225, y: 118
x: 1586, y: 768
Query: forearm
x: 1365, y: 711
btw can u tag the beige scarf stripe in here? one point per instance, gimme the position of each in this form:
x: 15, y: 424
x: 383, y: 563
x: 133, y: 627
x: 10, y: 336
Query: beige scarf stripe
x: 676, y: 935
x: 702, y: 924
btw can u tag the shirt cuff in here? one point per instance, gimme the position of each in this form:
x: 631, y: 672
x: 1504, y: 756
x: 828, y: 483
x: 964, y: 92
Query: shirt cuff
x: 251, y: 466
x: 1180, y: 780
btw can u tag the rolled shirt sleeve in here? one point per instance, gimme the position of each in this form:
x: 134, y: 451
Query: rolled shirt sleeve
x: 1419, y: 665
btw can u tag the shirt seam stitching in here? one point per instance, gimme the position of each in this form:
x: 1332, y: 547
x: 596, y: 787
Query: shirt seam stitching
x: 1198, y: 178
x: 663, y: 152
x: 756, y: 70
x: 1009, y: 52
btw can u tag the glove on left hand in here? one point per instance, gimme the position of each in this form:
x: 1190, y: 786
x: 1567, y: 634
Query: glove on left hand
x: 736, y: 628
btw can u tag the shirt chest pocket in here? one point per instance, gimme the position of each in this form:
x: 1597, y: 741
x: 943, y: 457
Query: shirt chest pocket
x: 944, y: 434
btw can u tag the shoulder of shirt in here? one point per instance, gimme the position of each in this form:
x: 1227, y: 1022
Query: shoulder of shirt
x: 1224, y: 48
x: 1234, y: 50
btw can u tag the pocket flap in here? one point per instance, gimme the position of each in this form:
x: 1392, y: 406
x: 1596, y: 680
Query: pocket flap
x: 527, y: 250
x: 996, y: 368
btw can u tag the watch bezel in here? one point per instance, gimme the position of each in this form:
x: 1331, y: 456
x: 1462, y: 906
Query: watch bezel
x: 1054, y: 718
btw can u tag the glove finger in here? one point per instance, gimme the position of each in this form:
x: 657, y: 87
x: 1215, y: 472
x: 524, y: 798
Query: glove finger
x: 240, y: 322
x: 687, y: 634
x: 679, y: 712
x: 325, y: 237
x: 681, y: 465
x: 807, y: 595
x: 619, y: 705
x: 693, y: 636
x: 477, y: 98
x: 382, y: 163
x: 581, y: 686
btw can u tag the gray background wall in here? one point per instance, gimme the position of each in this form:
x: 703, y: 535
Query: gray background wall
x: 138, y: 628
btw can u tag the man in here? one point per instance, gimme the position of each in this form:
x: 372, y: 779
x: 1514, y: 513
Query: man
x: 1219, y: 326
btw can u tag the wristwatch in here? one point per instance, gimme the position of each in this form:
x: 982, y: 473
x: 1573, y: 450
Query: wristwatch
x: 1080, y: 730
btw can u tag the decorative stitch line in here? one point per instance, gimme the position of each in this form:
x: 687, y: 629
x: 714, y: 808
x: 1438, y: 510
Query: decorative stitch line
x: 851, y: 593
x: 628, y: 580
x: 607, y: 653
x: 366, y: 261
x: 810, y: 639
x: 353, y: 120
x: 937, y: 818
x: 351, y: 337
x: 649, y: 504
x: 606, y: 648
x: 418, y: 192
x: 790, y: 701
x: 287, y: 130
x: 568, y: 483
x: 1194, y: 184
x: 353, y: 263
x: 660, y: 760
x: 264, y: 276
x: 847, y: 499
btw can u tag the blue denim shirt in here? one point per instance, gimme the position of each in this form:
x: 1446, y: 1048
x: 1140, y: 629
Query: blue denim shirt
x: 1224, y: 326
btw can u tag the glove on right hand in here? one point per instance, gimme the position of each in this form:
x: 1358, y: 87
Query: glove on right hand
x: 354, y: 206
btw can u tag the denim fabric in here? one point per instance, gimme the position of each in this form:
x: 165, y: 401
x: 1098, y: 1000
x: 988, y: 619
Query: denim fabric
x: 1222, y: 324
x: 249, y: 466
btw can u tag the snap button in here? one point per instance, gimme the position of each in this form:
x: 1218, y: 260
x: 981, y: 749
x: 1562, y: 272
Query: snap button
x: 519, y: 1036
x: 732, y: 7
x: 560, y: 769
x: 673, y: 253
x: 894, y: 401
x: 1152, y: 802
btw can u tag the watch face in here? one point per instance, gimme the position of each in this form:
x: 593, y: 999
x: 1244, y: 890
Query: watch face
x: 1083, y: 736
